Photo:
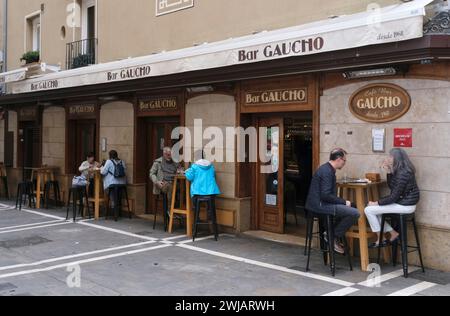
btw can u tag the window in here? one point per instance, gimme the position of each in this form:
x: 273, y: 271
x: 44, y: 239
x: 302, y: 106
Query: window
x: 88, y: 18
x: 33, y: 32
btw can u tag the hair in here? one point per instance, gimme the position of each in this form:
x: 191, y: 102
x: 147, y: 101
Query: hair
x: 401, y: 161
x: 199, y: 154
x: 113, y: 155
x: 337, y: 153
x: 90, y: 155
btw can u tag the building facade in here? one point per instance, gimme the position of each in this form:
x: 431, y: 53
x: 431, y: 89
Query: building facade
x: 96, y: 93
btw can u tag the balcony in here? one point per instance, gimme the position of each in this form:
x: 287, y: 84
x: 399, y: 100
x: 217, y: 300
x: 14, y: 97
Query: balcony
x: 81, y: 53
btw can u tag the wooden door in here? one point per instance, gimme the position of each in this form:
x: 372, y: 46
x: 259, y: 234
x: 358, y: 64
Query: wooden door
x: 158, y: 136
x: 269, y: 176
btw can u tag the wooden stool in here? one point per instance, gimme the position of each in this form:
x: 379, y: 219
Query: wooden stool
x: 178, y: 181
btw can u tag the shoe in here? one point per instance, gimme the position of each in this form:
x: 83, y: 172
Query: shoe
x: 338, y: 248
x: 394, y: 240
x: 376, y: 244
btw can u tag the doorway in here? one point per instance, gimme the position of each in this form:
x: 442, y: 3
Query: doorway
x: 282, y: 182
x: 83, y: 136
x: 29, y: 151
x: 159, y: 132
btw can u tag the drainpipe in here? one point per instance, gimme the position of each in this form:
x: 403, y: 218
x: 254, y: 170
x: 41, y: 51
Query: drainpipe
x: 5, y: 35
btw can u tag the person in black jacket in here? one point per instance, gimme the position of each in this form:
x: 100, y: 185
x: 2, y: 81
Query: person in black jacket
x: 404, y: 196
x: 323, y: 199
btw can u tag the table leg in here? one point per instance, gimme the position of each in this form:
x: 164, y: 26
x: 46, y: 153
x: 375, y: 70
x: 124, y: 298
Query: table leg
x: 189, y: 215
x: 97, y: 196
x: 38, y: 191
x: 172, y: 207
x: 362, y: 227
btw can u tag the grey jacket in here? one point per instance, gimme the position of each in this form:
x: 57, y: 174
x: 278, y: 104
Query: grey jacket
x: 157, y: 174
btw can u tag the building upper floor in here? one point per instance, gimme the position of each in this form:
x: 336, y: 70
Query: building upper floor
x: 75, y: 33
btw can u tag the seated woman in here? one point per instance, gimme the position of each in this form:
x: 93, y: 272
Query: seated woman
x: 85, y: 169
x: 202, y: 176
x: 404, y: 195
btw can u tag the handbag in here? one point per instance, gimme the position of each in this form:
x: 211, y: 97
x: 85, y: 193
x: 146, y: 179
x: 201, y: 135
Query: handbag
x: 79, y: 181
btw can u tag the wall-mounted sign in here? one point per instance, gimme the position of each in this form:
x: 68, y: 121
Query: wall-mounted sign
x: 280, y: 96
x: 28, y: 114
x: 403, y: 137
x: 379, y: 103
x: 82, y: 111
x: 169, y: 6
x: 170, y: 103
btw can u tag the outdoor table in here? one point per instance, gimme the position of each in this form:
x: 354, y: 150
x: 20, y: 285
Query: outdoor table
x: 98, y: 189
x: 43, y: 175
x: 361, y: 193
x: 185, y: 207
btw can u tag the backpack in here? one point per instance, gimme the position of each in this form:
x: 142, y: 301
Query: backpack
x: 119, y: 170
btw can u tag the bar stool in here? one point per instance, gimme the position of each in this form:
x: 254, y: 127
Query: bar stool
x: 25, y: 189
x: 210, y: 200
x: 326, y: 225
x: 309, y: 222
x: 162, y: 197
x: 4, y: 179
x: 78, y: 194
x: 49, y: 185
x: 403, y: 239
x: 116, y: 191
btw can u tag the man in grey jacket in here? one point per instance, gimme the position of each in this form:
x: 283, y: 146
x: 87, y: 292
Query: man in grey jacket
x: 163, y: 172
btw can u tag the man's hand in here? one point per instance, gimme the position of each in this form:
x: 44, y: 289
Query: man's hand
x: 348, y: 203
x: 160, y: 184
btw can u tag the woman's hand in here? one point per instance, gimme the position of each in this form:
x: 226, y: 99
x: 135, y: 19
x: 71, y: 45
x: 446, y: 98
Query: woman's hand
x: 373, y: 204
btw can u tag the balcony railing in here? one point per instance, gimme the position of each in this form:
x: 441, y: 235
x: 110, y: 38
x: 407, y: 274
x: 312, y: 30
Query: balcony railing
x: 81, y: 53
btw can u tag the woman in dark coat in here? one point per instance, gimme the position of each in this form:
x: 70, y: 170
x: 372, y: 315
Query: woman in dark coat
x: 404, y: 195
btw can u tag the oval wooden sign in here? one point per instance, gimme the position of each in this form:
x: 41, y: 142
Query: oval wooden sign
x: 379, y: 103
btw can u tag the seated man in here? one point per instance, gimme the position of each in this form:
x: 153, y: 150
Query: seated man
x: 163, y: 172
x: 323, y: 199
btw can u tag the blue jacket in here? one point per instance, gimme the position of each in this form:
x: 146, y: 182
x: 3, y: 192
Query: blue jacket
x: 202, y: 176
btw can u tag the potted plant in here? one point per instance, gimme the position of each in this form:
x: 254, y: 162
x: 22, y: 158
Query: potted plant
x: 31, y: 57
x: 82, y: 61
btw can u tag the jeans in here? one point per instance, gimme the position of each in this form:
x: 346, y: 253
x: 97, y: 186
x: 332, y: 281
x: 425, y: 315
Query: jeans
x: 374, y: 214
x: 345, y: 218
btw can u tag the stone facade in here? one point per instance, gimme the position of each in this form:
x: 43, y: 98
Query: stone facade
x: 429, y: 117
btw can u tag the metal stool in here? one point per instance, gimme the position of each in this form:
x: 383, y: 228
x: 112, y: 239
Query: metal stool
x: 326, y: 225
x: 49, y: 185
x: 26, y: 189
x: 77, y: 194
x: 211, y: 210
x: 166, y: 215
x: 403, y: 239
x: 116, y: 191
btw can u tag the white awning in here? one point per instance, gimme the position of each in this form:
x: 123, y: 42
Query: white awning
x: 13, y: 76
x: 389, y: 24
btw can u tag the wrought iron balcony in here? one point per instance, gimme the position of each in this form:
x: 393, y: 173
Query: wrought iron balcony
x: 81, y: 53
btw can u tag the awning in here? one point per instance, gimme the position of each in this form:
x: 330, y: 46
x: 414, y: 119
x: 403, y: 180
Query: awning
x: 13, y: 76
x: 379, y: 26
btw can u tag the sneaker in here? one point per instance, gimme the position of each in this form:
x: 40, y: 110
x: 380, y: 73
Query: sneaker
x: 339, y: 248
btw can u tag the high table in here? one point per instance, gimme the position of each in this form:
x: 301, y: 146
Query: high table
x: 43, y: 175
x: 185, y: 207
x: 361, y: 193
x: 98, y: 189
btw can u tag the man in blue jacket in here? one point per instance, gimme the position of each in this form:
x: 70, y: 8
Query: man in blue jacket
x: 323, y: 199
